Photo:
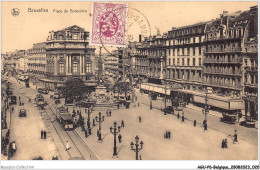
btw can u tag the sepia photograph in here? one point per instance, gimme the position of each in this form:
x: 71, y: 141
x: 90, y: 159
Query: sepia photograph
x: 129, y: 80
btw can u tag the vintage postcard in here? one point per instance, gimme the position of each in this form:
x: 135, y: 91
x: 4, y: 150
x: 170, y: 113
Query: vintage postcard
x: 130, y: 80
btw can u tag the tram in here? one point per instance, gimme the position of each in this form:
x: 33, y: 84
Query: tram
x: 64, y: 118
x: 40, y: 101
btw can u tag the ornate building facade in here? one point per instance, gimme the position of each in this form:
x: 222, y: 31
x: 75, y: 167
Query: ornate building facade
x: 68, y: 55
x: 184, y: 56
x: 227, y: 55
x: 36, y: 66
x: 150, y: 59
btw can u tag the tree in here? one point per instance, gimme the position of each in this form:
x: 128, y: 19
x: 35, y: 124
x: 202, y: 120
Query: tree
x: 122, y: 87
x: 75, y: 89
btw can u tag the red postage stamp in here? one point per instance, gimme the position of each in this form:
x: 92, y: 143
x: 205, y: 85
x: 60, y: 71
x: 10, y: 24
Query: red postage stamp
x: 109, y: 24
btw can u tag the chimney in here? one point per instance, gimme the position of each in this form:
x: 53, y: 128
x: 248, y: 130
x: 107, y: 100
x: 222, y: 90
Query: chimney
x: 140, y: 38
x: 225, y: 13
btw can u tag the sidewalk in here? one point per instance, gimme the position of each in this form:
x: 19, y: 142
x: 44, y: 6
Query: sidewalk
x: 26, y: 131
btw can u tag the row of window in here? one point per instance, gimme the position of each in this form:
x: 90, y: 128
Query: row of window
x: 184, y: 51
x: 75, y: 68
x: 188, y: 61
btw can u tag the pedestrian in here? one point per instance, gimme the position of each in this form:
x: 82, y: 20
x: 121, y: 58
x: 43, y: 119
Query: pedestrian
x: 41, y: 134
x: 194, y: 123
x: 110, y: 113
x: 67, y: 145
x: 86, y: 133
x: 119, y: 138
x: 226, y: 143
x: 205, y: 126
x: 12, y: 109
x: 166, y: 134
x: 118, y: 106
x: 178, y: 115
x: 44, y: 134
x: 11, y: 150
x: 169, y: 135
x: 93, y: 122
x: 19, y: 98
x: 161, y: 108
x: 97, y: 132
x: 182, y: 117
x: 122, y: 123
x: 223, y: 144
x: 83, y: 127
x: 103, y: 118
x: 140, y: 119
x: 14, y: 146
x: 107, y: 113
x: 235, y: 136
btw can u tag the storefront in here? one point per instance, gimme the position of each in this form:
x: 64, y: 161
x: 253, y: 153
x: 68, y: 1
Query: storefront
x: 218, y: 102
x: 50, y: 84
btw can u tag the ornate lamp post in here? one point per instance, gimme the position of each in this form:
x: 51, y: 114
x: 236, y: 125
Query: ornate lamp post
x: 115, y: 132
x: 206, y: 110
x: 99, y: 121
x: 137, y: 148
x: 235, y: 127
x: 88, y: 122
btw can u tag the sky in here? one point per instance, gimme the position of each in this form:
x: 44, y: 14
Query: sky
x: 22, y: 31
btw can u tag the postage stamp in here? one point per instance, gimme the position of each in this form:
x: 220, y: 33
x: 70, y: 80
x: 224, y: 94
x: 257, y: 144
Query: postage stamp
x: 108, y: 24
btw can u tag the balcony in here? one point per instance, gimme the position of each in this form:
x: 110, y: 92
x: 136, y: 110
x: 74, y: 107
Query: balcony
x: 207, y: 39
x: 222, y: 73
x: 248, y: 84
x: 251, y: 69
x: 69, y: 40
x: 221, y: 61
x: 225, y: 50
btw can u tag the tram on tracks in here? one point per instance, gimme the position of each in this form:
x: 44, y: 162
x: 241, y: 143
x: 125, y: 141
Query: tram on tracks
x: 40, y: 101
x: 64, y: 118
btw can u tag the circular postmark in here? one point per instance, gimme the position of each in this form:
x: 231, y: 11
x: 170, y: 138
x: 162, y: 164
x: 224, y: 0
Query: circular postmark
x: 137, y: 27
x: 15, y: 12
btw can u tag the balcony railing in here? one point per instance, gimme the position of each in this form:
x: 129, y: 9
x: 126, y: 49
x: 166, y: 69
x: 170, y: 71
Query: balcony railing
x: 222, y: 38
x: 251, y: 68
x: 234, y: 61
x: 225, y: 50
x: 222, y: 73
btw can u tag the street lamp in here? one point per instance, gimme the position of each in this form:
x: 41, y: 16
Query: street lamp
x: 235, y: 127
x: 99, y: 121
x: 88, y: 122
x: 137, y: 148
x: 115, y: 132
x: 206, y: 110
